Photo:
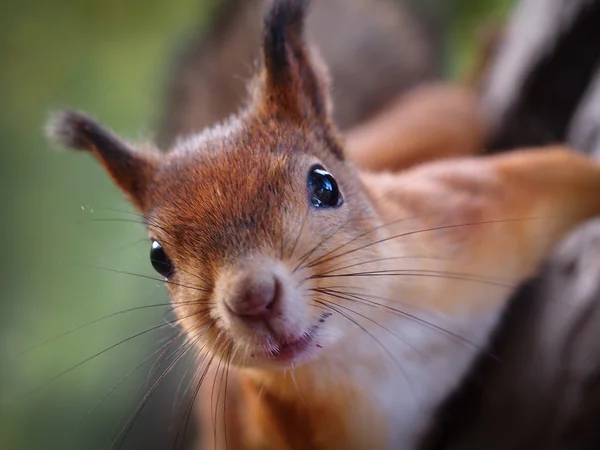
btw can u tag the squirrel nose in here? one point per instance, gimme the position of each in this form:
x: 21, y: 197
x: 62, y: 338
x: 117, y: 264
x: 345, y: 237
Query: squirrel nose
x: 256, y: 296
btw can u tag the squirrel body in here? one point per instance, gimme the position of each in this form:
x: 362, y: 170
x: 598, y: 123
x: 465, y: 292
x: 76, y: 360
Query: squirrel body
x: 379, y: 389
x: 337, y: 306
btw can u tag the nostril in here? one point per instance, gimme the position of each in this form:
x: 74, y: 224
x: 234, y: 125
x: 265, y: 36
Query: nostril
x: 256, y: 298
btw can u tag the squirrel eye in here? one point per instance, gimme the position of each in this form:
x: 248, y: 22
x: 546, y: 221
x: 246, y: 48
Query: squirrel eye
x: 160, y: 261
x: 323, y: 189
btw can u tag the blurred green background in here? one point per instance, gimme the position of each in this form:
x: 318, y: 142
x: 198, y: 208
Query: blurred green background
x: 111, y: 59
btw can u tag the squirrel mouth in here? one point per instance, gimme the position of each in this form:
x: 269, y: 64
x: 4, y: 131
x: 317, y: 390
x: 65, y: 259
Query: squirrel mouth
x: 291, y: 350
x: 297, y: 349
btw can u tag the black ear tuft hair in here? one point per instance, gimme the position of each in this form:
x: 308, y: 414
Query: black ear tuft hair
x: 77, y: 131
x: 284, y: 22
x: 130, y: 169
x: 294, y: 80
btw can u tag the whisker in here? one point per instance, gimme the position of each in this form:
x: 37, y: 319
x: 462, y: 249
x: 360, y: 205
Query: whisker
x: 120, y: 249
x: 362, y: 263
x: 281, y: 240
x: 66, y: 225
x: 70, y: 369
x: 292, y: 369
x: 123, y: 379
x: 320, y: 260
x: 228, y: 365
x: 156, y: 367
x: 100, y: 319
x: 317, y: 260
x: 214, y: 410
x: 334, y: 308
x: 149, y: 222
x: 121, y: 211
x: 148, y: 277
x: 291, y: 254
x: 343, y: 297
x: 188, y: 412
x: 110, y: 220
x: 195, y: 362
x: 417, y: 273
x: 219, y: 393
x: 127, y: 427
x: 196, y: 275
x: 412, y: 317
x: 350, y: 220
x: 309, y: 253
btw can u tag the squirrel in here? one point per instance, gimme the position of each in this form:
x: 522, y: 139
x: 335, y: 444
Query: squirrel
x: 338, y: 288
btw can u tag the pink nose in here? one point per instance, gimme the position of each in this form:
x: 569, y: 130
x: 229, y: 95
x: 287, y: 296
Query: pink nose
x: 255, y: 298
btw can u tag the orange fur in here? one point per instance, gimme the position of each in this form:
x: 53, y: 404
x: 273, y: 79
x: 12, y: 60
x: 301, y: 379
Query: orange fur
x: 443, y: 244
x: 529, y: 198
x: 433, y: 121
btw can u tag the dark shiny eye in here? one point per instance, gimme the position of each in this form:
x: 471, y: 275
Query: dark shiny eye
x: 323, y: 189
x: 160, y: 261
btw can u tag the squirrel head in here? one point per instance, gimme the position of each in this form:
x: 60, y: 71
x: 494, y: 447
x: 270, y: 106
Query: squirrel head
x: 241, y: 216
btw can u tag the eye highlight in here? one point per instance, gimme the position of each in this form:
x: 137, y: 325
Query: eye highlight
x: 323, y: 189
x: 160, y: 261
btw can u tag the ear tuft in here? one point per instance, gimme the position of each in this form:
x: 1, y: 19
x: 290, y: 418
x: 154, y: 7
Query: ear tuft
x: 131, y: 170
x: 284, y: 22
x: 77, y: 131
x: 295, y: 82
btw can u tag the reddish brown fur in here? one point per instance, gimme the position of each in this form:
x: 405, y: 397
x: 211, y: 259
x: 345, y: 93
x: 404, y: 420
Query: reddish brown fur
x: 433, y: 121
x: 236, y: 197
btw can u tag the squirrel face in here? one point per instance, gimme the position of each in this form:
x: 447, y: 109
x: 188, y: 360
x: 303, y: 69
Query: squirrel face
x: 241, y: 218
x: 241, y: 215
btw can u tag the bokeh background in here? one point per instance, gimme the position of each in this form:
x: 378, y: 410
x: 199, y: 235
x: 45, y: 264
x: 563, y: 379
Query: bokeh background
x: 63, y: 222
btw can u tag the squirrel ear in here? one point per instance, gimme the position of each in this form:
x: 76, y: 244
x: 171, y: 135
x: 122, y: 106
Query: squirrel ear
x: 294, y: 82
x: 130, y: 170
